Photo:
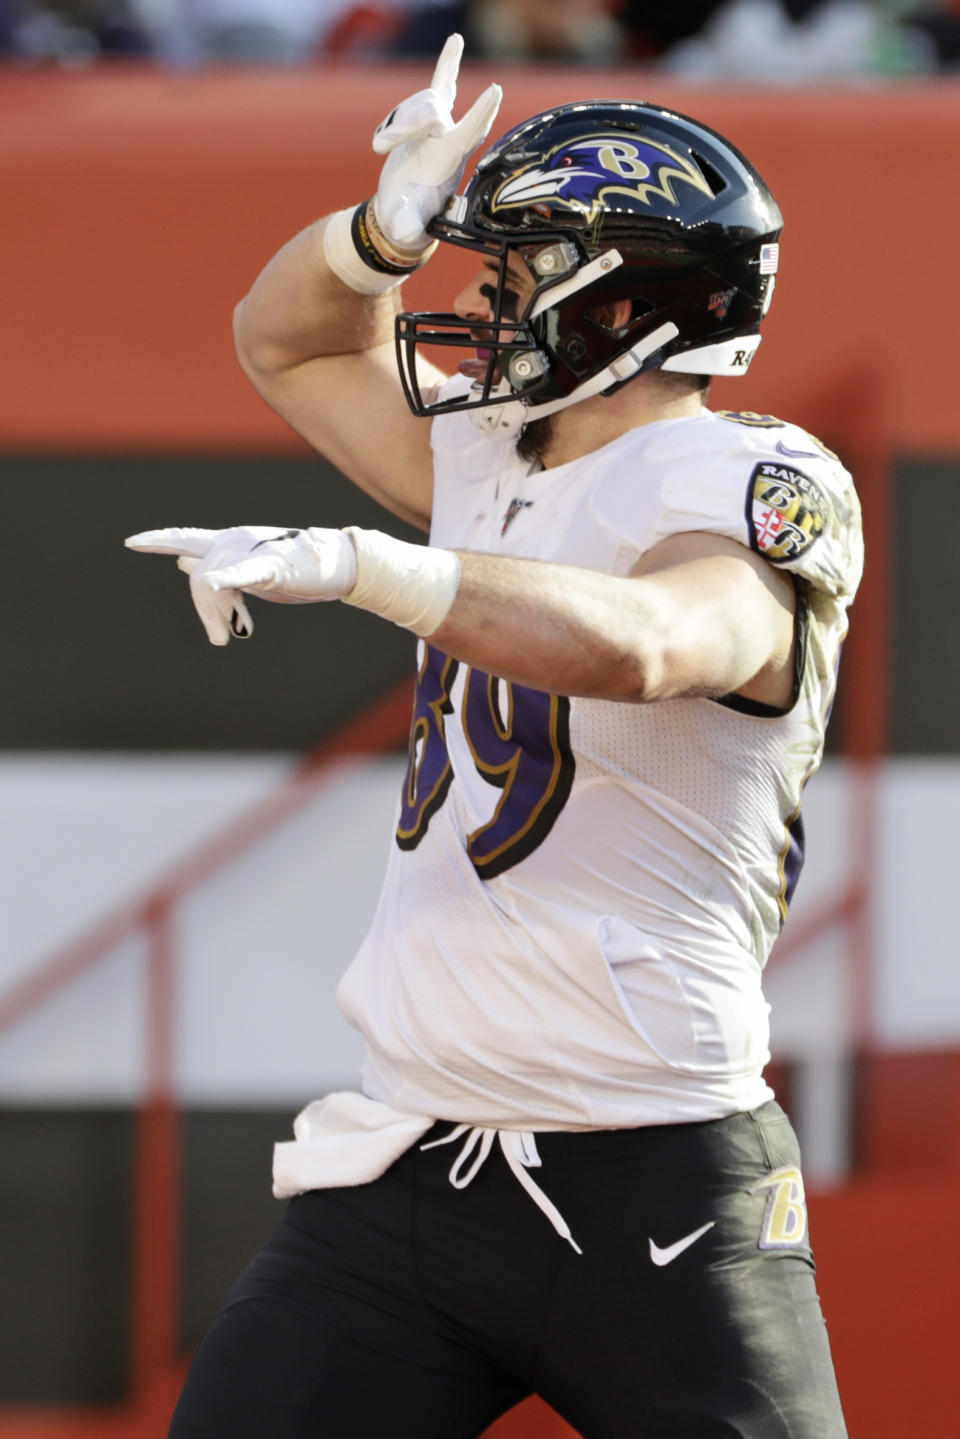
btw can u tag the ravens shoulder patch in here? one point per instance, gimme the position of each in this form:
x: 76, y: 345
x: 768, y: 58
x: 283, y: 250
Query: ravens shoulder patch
x: 786, y: 511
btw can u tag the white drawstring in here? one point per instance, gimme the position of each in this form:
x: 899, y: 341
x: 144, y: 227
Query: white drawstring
x: 520, y: 1151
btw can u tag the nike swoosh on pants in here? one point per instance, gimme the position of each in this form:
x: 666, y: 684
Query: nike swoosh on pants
x: 665, y: 1256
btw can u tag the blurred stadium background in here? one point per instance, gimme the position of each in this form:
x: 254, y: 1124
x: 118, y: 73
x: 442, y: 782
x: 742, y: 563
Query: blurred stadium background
x: 192, y: 839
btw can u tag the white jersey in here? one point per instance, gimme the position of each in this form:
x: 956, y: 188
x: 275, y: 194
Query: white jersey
x: 583, y: 893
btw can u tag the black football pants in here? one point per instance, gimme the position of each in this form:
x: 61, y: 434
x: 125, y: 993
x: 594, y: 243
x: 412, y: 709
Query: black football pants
x: 407, y: 1309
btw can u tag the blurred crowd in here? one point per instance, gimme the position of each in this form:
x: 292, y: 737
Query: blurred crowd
x: 764, y: 41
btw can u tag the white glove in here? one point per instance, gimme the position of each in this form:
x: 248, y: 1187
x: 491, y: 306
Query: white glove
x: 284, y: 565
x: 426, y: 152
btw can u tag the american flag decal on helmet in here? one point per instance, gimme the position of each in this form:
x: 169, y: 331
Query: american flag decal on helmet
x: 769, y: 259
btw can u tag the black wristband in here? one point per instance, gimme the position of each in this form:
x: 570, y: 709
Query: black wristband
x: 367, y: 250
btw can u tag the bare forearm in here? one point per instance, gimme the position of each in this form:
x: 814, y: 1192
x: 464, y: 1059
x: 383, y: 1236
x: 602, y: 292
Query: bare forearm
x: 298, y: 310
x: 555, y: 628
x: 704, y: 618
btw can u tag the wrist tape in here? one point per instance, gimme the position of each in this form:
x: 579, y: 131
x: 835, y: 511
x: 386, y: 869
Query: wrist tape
x: 361, y: 255
x: 412, y: 585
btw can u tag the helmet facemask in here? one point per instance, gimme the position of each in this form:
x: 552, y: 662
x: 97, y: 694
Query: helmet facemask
x: 512, y: 344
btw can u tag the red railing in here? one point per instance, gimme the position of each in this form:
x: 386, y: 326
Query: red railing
x: 155, y: 1260
x: 856, y: 413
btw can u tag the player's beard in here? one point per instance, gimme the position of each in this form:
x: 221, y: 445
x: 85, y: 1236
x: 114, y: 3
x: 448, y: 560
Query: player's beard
x: 535, y: 438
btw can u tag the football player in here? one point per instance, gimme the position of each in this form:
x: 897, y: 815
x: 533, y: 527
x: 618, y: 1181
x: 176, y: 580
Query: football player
x: 631, y: 610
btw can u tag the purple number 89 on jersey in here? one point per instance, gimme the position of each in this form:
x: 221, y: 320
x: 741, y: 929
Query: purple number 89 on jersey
x: 519, y: 740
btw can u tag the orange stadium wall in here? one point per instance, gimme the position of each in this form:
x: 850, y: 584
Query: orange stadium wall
x: 138, y: 206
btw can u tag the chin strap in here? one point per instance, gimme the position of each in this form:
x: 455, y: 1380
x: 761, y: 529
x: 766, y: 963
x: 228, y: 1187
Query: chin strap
x: 507, y: 420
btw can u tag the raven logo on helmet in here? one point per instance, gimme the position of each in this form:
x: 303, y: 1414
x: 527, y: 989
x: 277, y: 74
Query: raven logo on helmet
x: 584, y: 174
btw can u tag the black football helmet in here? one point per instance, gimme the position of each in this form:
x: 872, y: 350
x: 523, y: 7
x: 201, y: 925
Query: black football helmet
x: 606, y: 200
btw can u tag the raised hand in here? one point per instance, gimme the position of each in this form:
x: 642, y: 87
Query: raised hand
x: 426, y: 151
